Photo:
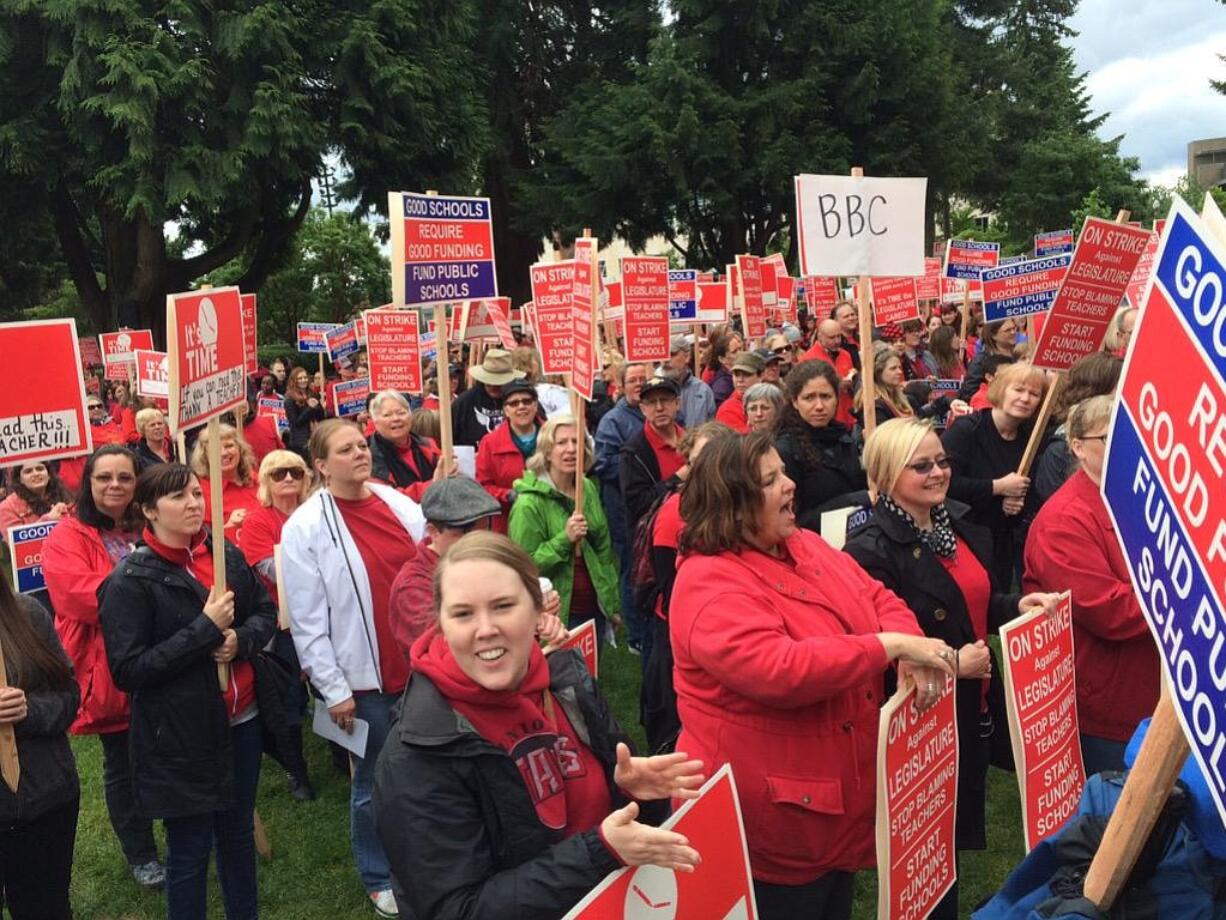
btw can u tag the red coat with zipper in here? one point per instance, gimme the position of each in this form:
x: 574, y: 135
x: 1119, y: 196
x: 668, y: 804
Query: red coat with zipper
x: 779, y: 672
x: 499, y: 464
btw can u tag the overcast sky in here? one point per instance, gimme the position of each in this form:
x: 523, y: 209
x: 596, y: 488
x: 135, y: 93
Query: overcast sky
x: 1149, y: 63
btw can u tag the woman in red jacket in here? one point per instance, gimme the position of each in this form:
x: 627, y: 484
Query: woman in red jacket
x: 78, y: 556
x: 503, y: 452
x: 1072, y: 546
x: 795, y: 710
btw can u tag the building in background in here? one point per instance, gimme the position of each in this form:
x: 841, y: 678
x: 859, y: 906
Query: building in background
x: 1207, y: 162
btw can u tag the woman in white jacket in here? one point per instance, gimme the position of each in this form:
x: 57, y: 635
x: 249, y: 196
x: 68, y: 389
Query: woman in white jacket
x: 341, y: 551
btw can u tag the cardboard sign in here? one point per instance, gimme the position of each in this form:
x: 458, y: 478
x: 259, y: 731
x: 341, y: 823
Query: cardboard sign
x: 645, y: 293
x: 313, y: 337
x: 1041, y: 700
x: 46, y: 421
x: 393, y: 349
x: 119, y: 351
x: 91, y: 354
x: 720, y: 887
x: 928, y: 285
x: 26, y: 555
x: 152, y: 374
x: 1162, y: 481
x: 204, y: 333
x: 753, y: 308
x: 838, y: 525
x: 894, y: 300
x: 442, y: 249
x: 860, y: 225
x: 553, y: 301
x: 349, y: 396
x: 489, y: 319
x: 821, y: 295
x: 774, y: 267
x: 1053, y: 243
x: 712, y: 302
x: 1103, y: 263
x: 273, y: 406
x: 342, y: 341
x: 683, y: 295
x: 583, y: 637
x: 785, y: 291
x: 965, y: 259
x: 1145, y: 267
x: 1022, y: 288
x: 917, y: 803
x: 953, y: 290
x: 583, y: 373
x: 250, y: 335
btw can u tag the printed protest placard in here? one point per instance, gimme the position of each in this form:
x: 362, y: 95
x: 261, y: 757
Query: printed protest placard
x: 119, y: 351
x: 152, y: 374
x: 894, y: 300
x: 1053, y: 243
x: 719, y: 888
x: 47, y: 421
x: 26, y: 555
x: 645, y: 293
x: 917, y: 803
x: 313, y: 337
x: 553, y: 302
x: 250, y: 334
x: 583, y: 637
x: 1102, y: 266
x: 204, y: 335
x: 774, y: 267
x: 1145, y: 267
x: 1022, y: 288
x: 91, y: 354
x: 1041, y: 701
x: 393, y: 350
x: 821, y: 294
x: 785, y: 298
x: 488, y: 319
x: 860, y: 225
x: 683, y: 295
x: 342, y: 341
x: 712, y: 302
x: 753, y: 309
x: 928, y: 285
x: 349, y: 396
x: 1162, y: 480
x: 273, y: 406
x: 583, y: 373
x: 442, y: 249
x: 965, y: 259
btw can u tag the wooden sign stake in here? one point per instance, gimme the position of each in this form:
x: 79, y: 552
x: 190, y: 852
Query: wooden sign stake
x: 10, y: 765
x: 213, y: 433
x: 262, y: 846
x: 868, y: 382
x: 442, y: 363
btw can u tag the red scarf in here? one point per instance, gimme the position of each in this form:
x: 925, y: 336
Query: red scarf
x: 195, y: 557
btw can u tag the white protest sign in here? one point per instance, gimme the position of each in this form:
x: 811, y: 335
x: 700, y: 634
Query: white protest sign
x: 860, y: 225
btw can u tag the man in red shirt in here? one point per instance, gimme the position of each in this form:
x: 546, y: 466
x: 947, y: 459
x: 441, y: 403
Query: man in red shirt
x: 829, y: 347
x: 650, y: 459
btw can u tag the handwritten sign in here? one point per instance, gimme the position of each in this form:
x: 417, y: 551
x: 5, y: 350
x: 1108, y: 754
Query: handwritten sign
x: 47, y: 421
x: 393, y: 349
x: 645, y: 297
x: 442, y: 249
x: 860, y: 225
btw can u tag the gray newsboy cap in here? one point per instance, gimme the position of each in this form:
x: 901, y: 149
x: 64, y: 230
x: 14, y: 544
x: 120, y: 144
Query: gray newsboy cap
x: 457, y: 501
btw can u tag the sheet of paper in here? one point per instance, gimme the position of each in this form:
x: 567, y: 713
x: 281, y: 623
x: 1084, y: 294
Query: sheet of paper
x: 323, y: 726
x: 466, y: 459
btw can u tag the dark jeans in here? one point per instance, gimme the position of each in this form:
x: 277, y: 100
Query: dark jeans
x: 36, y: 865
x: 827, y: 898
x: 189, y: 841
x: 134, y: 832
x: 1102, y: 754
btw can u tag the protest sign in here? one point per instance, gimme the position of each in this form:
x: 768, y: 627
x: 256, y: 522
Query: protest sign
x: 838, y: 525
x: 615, y: 307
x: 1022, y: 288
x: 773, y: 268
x: 342, y: 341
x: 645, y: 293
x: 1090, y: 293
x: 719, y: 888
x: 928, y: 285
x: 965, y: 259
x: 119, y: 351
x: 152, y: 374
x: 954, y: 290
x: 583, y: 372
x: 583, y: 637
x: 488, y: 319
x: 91, y: 354
x: 683, y: 295
x: 393, y: 349
x: 26, y: 555
x: 204, y: 335
x: 917, y: 795
x: 1053, y: 243
x: 855, y: 225
x: 47, y: 421
x: 313, y: 337
x: 250, y: 335
x: 273, y: 406
x: 753, y: 308
x: 1145, y: 267
x: 442, y: 249
x: 894, y: 300
x: 1041, y: 701
x: 349, y: 396
x: 553, y: 300
x: 785, y: 298
x: 821, y: 294
x: 946, y: 386
x: 712, y: 302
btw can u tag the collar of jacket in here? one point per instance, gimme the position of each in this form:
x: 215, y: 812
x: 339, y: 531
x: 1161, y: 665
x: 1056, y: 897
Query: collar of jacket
x: 897, y: 530
x: 634, y: 411
x: 143, y: 562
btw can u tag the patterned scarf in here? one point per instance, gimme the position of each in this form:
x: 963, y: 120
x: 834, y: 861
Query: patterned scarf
x: 941, y: 539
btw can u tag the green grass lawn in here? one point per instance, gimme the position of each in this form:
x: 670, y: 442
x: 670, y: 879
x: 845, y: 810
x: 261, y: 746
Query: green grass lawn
x: 311, y: 875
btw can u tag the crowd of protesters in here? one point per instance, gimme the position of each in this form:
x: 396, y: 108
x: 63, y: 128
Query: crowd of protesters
x: 365, y: 570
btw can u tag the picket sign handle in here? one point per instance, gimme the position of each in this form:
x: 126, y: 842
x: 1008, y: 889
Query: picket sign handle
x: 10, y: 765
x: 868, y: 381
x: 262, y: 846
x: 442, y: 363
x: 213, y: 433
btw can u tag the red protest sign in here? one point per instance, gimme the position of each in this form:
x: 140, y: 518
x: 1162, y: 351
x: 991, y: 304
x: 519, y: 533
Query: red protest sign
x: 1145, y: 266
x: 917, y: 795
x: 720, y: 887
x: 773, y: 268
x: 553, y: 296
x: 488, y: 319
x: 45, y: 418
x: 91, y: 354
x: 119, y: 350
x: 1041, y: 700
x: 204, y: 335
x: 1103, y: 262
x: 753, y: 308
x: 821, y: 294
x: 894, y: 300
x: 583, y: 637
x: 785, y: 290
x: 152, y: 374
x: 584, y: 329
x: 393, y: 350
x: 967, y: 258
x: 928, y: 285
x: 250, y: 335
x: 645, y: 296
x: 712, y: 302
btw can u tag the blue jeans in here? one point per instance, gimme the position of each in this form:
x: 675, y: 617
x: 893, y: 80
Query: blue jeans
x: 190, y: 840
x: 375, y: 708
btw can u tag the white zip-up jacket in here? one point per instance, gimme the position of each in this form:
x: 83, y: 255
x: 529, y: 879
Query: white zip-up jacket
x: 328, y: 593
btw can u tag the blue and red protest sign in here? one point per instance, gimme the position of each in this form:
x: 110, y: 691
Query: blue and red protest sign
x: 1022, y: 288
x: 26, y: 553
x: 349, y: 396
x: 1162, y: 481
x: 273, y: 406
x: 965, y: 259
x: 1053, y: 243
x: 683, y: 295
x: 313, y: 337
x: 343, y: 341
x: 442, y: 249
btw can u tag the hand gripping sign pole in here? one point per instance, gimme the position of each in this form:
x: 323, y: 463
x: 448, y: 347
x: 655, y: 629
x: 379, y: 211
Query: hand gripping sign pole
x: 868, y: 382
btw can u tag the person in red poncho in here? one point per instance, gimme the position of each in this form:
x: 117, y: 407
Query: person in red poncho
x: 238, y: 470
x: 508, y: 790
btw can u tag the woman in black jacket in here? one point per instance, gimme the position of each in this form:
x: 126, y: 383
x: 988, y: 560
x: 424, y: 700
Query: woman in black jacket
x: 467, y: 834
x: 927, y: 551
x: 303, y: 411
x: 38, y: 822
x: 818, y: 452
x: 195, y: 747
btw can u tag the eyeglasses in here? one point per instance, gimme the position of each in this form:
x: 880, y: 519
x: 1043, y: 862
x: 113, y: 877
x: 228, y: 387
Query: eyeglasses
x: 1093, y: 437
x: 293, y: 472
x: 93, y: 406
x: 781, y: 350
x: 518, y: 403
x: 122, y: 478
x: 924, y: 467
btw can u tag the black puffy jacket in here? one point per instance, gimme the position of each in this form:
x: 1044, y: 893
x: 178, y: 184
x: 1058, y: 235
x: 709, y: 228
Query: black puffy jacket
x: 159, y: 645
x: 821, y: 486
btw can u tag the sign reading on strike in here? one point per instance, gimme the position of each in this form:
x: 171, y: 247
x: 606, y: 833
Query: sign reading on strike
x: 273, y: 406
x: 719, y: 888
x: 821, y: 294
x: 1162, y: 482
x: 683, y: 295
x: 1103, y: 263
x: 645, y: 296
x: 928, y: 285
x: 753, y: 308
x: 583, y: 637
x: 152, y: 374
x: 442, y: 249
x: 393, y: 350
x: 553, y: 301
x: 774, y: 267
x: 342, y: 341
x: 584, y: 372
x: 712, y: 302
x: 119, y: 350
x: 250, y: 335
x: 1053, y: 243
x: 204, y: 334
x: 313, y: 337
x: 917, y: 803
x: 349, y: 396
x: 47, y: 421
x: 967, y: 258
x: 785, y: 298
x: 26, y: 554
x: 1022, y: 288
x: 1041, y: 699
x: 894, y: 300
x: 1145, y: 267
x: 857, y: 225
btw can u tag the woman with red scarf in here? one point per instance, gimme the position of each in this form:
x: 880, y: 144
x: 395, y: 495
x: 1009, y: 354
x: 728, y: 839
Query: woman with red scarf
x: 508, y: 790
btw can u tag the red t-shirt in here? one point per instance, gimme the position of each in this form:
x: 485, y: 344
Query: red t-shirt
x: 261, y: 531
x: 667, y: 456
x: 976, y: 587
x: 233, y: 497
x: 980, y: 399
x: 261, y: 433
x: 667, y: 532
x: 732, y: 413
x: 385, y: 546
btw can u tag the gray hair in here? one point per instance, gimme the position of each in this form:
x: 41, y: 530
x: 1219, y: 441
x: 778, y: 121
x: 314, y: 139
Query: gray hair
x: 382, y: 395
x: 764, y: 391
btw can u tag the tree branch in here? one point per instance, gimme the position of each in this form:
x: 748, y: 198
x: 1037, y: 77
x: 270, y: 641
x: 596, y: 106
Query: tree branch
x: 68, y: 225
x: 273, y: 240
x: 180, y: 273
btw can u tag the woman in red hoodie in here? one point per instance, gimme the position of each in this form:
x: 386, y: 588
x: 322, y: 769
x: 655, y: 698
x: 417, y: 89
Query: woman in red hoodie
x: 502, y: 454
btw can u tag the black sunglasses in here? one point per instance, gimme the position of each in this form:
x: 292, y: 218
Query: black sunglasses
x: 924, y: 467
x: 293, y: 472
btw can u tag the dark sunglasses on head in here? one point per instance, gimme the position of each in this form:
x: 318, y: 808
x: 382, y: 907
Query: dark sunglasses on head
x: 293, y: 472
x: 924, y: 467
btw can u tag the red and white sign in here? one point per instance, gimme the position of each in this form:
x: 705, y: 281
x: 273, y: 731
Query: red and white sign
x: 821, y: 294
x: 785, y: 291
x: 584, y: 330
x: 91, y: 354
x: 967, y: 258
x: 152, y: 374
x: 894, y: 300
x: 119, y: 350
x: 42, y: 410
x: 645, y: 293
x: 954, y: 290
x: 719, y: 888
x: 1103, y: 264
x: 393, y: 349
x: 928, y: 285
x: 442, y: 249
x: 204, y: 332
x: 753, y: 309
x: 553, y: 300
x: 583, y: 637
x: 250, y: 334
x: 1041, y: 699
x: 1145, y: 266
x: 342, y: 341
x: 349, y: 396
x: 773, y: 268
x: 712, y: 302
x: 917, y: 804
x: 489, y: 319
